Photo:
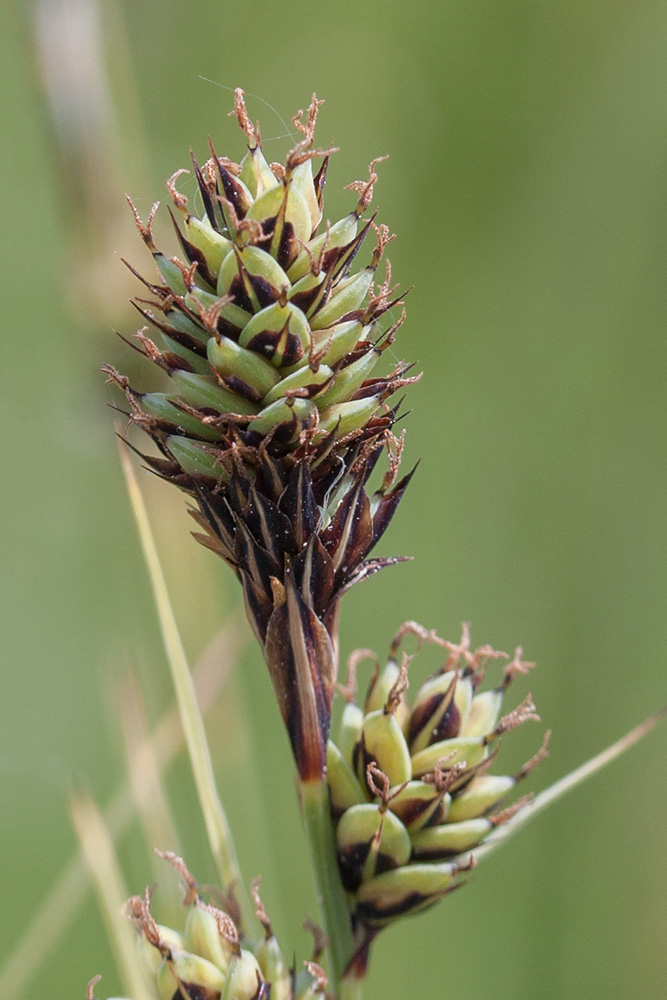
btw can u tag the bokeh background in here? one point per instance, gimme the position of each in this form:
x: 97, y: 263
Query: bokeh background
x: 527, y: 182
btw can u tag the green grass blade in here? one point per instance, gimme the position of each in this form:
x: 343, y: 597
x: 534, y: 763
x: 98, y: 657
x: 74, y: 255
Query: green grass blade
x: 217, y: 827
x: 546, y: 798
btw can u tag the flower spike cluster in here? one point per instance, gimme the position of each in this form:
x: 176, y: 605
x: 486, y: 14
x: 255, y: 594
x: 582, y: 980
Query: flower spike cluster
x: 411, y: 793
x: 275, y: 412
x: 210, y: 957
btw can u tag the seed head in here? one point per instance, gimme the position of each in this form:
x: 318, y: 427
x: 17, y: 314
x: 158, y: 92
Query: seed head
x: 278, y: 403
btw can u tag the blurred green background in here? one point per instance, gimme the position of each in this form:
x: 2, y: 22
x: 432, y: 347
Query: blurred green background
x: 527, y: 183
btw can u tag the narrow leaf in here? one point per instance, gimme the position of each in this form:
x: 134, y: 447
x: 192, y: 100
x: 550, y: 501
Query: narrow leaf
x: 559, y: 788
x: 98, y: 851
x: 217, y: 827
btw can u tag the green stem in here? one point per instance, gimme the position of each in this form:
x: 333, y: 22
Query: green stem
x: 350, y: 988
x: 330, y: 893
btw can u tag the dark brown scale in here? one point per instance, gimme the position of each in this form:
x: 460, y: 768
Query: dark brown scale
x: 241, y: 388
x: 352, y: 861
x: 288, y: 246
x: 307, y: 299
x: 264, y: 290
x: 184, y: 339
x: 411, y: 810
x: 298, y: 498
x: 439, y: 815
x: 387, y: 506
x: 268, y: 342
x: 319, y: 181
x: 352, y: 525
x: 233, y: 190
x: 338, y: 259
x: 226, y: 328
x: 271, y: 477
x: 366, y: 910
x: 421, y: 715
x: 356, y: 759
x: 194, y: 254
x: 313, y: 572
x: 237, y: 288
x: 439, y: 715
x: 174, y: 362
x: 205, y: 194
x: 449, y: 725
x: 195, y: 992
x: 261, y: 564
x: 439, y: 854
x: 269, y: 525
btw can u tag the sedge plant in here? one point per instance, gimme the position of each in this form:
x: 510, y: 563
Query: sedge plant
x: 277, y: 405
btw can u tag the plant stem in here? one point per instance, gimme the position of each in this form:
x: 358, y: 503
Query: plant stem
x: 330, y: 893
x: 350, y: 988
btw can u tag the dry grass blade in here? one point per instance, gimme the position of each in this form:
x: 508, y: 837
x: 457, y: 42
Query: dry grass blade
x: 145, y: 773
x: 217, y: 828
x: 62, y: 902
x: 98, y: 851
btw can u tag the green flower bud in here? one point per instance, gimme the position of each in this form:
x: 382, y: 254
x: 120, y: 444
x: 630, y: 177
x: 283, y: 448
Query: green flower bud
x: 195, y: 361
x: 294, y: 413
x: 483, y: 713
x: 344, y: 418
x: 278, y: 332
x: 370, y: 839
x: 448, y: 839
x: 149, y: 955
x: 212, y: 244
x: 340, y: 234
x: 304, y: 379
x: 204, y: 938
x: 349, y: 733
x: 274, y: 968
x: 256, y: 174
x: 253, y: 277
x: 483, y: 793
x: 344, y: 788
x: 205, y: 391
x: 244, y: 976
x: 380, y: 688
x: 181, y: 322
x: 470, y: 749
x: 338, y: 340
x: 159, y: 406
x: 186, y: 972
x: 194, y: 458
x: 418, y: 802
x: 303, y: 181
x: 384, y: 743
x: 247, y: 367
x: 402, y: 891
x: 286, y: 203
x: 349, y: 379
x: 349, y: 295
